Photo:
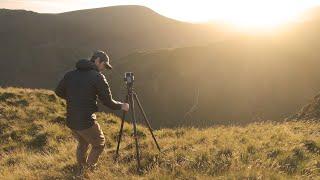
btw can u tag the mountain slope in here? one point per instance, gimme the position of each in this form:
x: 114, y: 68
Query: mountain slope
x: 49, y: 44
x: 237, y: 81
x: 311, y: 111
x: 35, y: 144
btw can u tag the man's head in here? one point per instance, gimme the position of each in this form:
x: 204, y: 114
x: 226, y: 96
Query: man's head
x: 101, y: 59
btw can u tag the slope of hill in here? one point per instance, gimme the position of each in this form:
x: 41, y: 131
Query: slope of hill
x: 49, y: 44
x: 311, y: 111
x: 35, y: 144
x: 236, y: 81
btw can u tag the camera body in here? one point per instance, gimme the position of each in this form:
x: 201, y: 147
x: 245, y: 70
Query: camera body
x: 129, y: 78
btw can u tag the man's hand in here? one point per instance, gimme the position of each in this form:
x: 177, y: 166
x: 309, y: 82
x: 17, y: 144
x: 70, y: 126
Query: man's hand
x: 125, y: 107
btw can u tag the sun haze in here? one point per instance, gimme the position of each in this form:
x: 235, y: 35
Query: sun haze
x: 244, y: 14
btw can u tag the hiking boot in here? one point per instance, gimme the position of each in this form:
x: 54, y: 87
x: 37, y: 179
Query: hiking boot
x: 81, y: 171
x: 92, y: 168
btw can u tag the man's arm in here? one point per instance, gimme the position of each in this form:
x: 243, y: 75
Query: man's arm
x: 105, y: 95
x: 61, y: 88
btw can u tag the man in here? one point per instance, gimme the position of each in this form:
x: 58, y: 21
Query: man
x: 80, y: 88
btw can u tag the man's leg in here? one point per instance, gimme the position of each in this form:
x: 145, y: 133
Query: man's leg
x: 95, y: 137
x: 98, y: 144
x: 82, y: 149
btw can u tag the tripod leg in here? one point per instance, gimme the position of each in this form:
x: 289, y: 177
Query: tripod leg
x: 134, y: 122
x: 121, y: 130
x: 146, y: 120
x: 120, y: 134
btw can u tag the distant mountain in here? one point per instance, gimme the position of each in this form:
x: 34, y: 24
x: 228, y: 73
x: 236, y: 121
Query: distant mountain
x: 237, y: 81
x: 215, y: 77
x: 36, y: 49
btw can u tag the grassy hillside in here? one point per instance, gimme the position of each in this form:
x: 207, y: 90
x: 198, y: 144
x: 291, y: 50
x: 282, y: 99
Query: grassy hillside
x: 35, y: 144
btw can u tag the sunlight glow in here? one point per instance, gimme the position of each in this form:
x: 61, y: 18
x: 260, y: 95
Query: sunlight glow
x: 256, y: 14
x: 245, y: 14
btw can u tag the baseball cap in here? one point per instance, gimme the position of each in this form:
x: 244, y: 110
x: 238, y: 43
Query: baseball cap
x: 103, y: 57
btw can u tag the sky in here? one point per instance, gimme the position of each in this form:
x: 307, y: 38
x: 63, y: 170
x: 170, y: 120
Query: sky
x: 239, y: 12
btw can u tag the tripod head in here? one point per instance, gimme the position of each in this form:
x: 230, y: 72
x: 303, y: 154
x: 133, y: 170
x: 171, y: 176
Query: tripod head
x: 129, y: 79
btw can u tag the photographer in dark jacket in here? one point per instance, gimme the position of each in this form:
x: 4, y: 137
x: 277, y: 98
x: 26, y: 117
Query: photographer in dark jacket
x: 80, y: 88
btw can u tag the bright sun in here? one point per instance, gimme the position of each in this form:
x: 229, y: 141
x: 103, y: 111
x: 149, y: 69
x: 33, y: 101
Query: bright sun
x: 257, y: 14
x: 244, y: 14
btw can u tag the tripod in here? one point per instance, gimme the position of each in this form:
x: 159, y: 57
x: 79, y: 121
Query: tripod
x: 130, y: 98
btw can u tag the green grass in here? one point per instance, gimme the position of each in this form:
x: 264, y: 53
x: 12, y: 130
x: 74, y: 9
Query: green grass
x: 35, y: 144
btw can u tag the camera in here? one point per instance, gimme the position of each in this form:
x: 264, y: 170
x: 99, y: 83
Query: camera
x: 129, y: 78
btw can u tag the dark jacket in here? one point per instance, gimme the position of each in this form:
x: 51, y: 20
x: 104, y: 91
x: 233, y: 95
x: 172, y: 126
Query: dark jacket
x: 80, y: 88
